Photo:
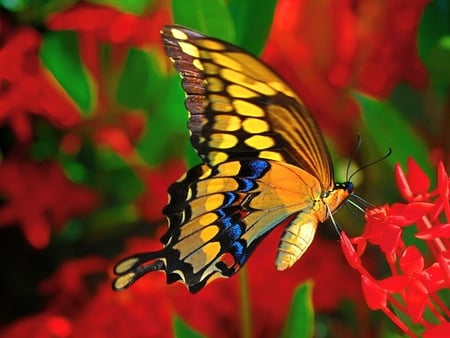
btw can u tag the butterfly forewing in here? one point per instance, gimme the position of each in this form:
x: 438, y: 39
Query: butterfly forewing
x: 239, y: 108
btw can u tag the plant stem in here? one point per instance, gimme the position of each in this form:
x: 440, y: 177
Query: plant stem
x: 246, y: 320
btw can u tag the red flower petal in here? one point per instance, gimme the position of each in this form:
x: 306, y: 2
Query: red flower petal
x: 437, y: 331
x: 406, y: 214
x: 376, y: 297
x: 416, y: 299
x: 418, y: 180
x: 402, y: 183
x: 411, y: 261
x: 438, y: 231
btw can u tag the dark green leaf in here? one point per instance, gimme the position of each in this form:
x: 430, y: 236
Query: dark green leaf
x: 300, y: 321
x: 140, y: 80
x: 60, y: 54
x: 131, y: 6
x: 182, y: 330
x: 166, y: 134
x: 211, y: 17
x: 390, y: 130
x: 252, y: 19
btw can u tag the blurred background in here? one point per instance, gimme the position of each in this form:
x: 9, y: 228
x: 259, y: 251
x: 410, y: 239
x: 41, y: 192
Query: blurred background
x: 93, y: 131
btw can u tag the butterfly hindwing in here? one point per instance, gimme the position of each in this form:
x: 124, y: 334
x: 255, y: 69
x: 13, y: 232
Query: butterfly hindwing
x: 239, y: 107
x: 218, y: 216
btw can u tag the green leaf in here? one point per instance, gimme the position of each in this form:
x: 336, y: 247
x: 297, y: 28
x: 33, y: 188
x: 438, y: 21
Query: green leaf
x: 300, y: 321
x: 130, y: 6
x: 182, y: 330
x: 211, y: 17
x: 390, y: 130
x: 60, y: 54
x: 166, y: 134
x: 252, y: 19
x: 140, y: 80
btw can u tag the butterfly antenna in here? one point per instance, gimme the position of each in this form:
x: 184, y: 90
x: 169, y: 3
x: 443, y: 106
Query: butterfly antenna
x: 371, y: 163
x: 351, y: 206
x: 362, y: 203
x: 352, y: 157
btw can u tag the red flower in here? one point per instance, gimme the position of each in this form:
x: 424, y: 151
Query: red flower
x: 22, y: 76
x: 157, y: 181
x: 364, y: 45
x: 39, y: 197
x: 416, y: 278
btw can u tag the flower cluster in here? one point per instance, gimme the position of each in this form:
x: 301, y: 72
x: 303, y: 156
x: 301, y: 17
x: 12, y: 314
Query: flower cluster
x: 419, y: 266
x: 354, y: 45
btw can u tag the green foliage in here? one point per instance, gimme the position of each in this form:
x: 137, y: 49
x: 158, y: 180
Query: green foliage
x: 130, y: 6
x: 210, y: 17
x: 140, y: 81
x: 390, y: 130
x: 300, y: 321
x: 61, y: 55
x: 182, y: 330
x: 252, y: 21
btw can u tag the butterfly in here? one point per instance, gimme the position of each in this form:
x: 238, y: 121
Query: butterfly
x: 265, y: 162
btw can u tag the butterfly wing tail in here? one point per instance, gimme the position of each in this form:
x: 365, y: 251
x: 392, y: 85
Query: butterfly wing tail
x: 134, y: 267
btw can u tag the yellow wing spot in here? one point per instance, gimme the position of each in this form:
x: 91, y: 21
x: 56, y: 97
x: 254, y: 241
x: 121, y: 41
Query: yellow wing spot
x: 248, y: 109
x: 256, y: 69
x: 125, y: 265
x: 214, y: 84
x: 123, y: 281
x: 221, y: 185
x: 259, y: 142
x: 223, y: 141
x: 255, y: 126
x: 198, y: 64
x: 246, y: 81
x: 217, y: 156
x: 210, y: 44
x: 189, y: 49
x: 240, y: 92
x: 225, y: 61
x: 218, y: 98
x: 229, y: 169
x: 271, y: 155
x: 211, y: 68
x: 227, y: 122
x: 213, y: 202
x: 282, y: 88
x: 202, y: 257
x: 221, y: 106
x: 177, y: 34
x: 208, y: 233
x: 206, y: 174
x: 189, y: 194
x: 208, y: 218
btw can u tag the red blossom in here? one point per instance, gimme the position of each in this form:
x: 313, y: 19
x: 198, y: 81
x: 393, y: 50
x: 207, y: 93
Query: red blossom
x: 68, y: 284
x: 350, y: 45
x: 122, y: 135
x: 157, y: 181
x: 107, y: 24
x: 414, y: 185
x: 39, y: 197
x: 23, y: 76
x: 415, y: 280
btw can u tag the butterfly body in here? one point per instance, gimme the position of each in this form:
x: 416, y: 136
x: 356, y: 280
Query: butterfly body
x: 265, y: 162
